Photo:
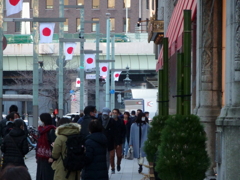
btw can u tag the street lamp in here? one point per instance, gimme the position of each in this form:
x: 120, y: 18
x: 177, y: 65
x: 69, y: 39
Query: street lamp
x: 127, y: 83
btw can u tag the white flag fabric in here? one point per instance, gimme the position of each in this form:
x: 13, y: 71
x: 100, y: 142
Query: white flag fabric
x: 78, y: 82
x: 69, y: 49
x: 103, y: 69
x: 46, y: 31
x: 89, y: 61
x: 13, y: 6
x: 116, y: 75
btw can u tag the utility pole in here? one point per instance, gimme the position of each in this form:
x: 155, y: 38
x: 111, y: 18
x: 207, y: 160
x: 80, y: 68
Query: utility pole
x: 107, y: 58
x: 112, y: 74
x: 1, y: 57
x: 60, y: 60
x: 126, y: 16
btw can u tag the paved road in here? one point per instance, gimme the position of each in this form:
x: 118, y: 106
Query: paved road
x: 129, y: 169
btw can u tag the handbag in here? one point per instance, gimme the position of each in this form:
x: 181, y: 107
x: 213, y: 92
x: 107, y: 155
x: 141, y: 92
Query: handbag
x: 130, y: 154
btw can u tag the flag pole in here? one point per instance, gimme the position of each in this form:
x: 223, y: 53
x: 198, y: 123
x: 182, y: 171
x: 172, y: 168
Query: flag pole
x: 35, y: 63
x: 97, y: 67
x: 81, y: 71
x: 112, y: 74
x: 1, y: 56
x: 60, y: 60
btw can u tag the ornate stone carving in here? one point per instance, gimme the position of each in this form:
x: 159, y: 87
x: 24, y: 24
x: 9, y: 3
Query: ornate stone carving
x: 237, y: 47
x: 207, y: 41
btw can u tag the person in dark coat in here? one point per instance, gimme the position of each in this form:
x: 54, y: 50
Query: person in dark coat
x: 15, y: 145
x: 96, y: 146
x: 128, y: 122
x: 119, y: 135
x: 89, y: 114
x: 44, y: 147
x: 108, y: 131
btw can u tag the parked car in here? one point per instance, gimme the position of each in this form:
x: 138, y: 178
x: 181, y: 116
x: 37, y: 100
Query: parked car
x: 71, y: 115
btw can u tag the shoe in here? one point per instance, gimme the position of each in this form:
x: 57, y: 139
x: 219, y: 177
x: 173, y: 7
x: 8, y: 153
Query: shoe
x: 113, y: 171
x: 140, y: 169
x: 118, y: 167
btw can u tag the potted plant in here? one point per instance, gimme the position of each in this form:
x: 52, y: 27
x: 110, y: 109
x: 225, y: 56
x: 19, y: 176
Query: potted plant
x: 182, y: 152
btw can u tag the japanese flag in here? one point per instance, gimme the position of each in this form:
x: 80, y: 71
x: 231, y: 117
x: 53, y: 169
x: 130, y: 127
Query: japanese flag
x: 46, y: 32
x: 89, y: 61
x: 13, y: 6
x: 116, y: 75
x: 68, y: 50
x: 78, y: 82
x: 103, y: 69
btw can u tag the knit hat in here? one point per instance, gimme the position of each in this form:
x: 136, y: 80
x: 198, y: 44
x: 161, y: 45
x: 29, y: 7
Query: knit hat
x: 106, y: 111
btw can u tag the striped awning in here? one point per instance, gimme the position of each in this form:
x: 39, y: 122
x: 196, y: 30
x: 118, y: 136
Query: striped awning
x: 175, y: 28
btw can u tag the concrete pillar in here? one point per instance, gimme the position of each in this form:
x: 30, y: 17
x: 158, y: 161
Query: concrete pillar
x: 228, y: 123
x: 208, y: 67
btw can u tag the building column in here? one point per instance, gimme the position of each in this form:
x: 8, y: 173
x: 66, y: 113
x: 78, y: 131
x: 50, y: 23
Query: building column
x: 228, y: 123
x: 208, y: 66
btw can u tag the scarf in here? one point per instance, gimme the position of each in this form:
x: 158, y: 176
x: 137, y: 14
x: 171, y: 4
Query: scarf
x: 105, y: 122
x: 43, y: 147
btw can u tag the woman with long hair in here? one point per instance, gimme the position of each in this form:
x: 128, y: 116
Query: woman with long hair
x: 44, y: 147
x: 138, y: 135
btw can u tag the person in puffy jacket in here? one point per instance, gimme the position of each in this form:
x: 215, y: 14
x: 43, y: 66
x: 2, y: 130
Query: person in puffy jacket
x: 96, y: 149
x: 64, y: 129
x: 15, y: 145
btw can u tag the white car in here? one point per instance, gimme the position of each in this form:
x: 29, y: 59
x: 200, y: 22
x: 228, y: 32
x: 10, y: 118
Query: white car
x: 71, y: 115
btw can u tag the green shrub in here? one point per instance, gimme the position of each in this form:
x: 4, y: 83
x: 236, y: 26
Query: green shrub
x: 182, y: 152
x: 154, y: 134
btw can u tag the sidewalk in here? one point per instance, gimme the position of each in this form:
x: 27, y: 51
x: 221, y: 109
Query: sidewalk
x: 129, y: 169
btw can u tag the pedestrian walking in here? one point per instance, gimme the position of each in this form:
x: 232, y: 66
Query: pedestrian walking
x: 96, y: 146
x: 119, y: 134
x: 138, y: 135
x: 128, y: 122
x: 65, y: 129
x: 108, y: 131
x: 9, y: 124
x: 15, y: 145
x: 44, y: 149
x: 89, y: 114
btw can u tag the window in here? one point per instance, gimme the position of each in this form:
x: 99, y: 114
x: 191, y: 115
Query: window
x: 94, y: 24
x: 112, y: 24
x: 111, y: 4
x: 65, y: 2
x: 78, y: 25
x: 124, y: 24
x: 152, y: 4
x: 127, y: 3
x: 80, y: 2
x: 95, y: 4
x: 4, y: 26
x: 147, y: 4
x: 49, y: 4
x: 65, y: 28
x: 17, y: 26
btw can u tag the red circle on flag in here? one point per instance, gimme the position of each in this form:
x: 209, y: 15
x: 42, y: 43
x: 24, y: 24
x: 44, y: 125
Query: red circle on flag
x: 78, y: 81
x: 14, y: 2
x: 116, y: 75
x: 104, y: 69
x: 89, y: 60
x: 70, y: 50
x: 46, y: 31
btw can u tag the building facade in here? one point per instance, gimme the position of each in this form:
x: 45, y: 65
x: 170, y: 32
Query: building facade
x: 95, y: 10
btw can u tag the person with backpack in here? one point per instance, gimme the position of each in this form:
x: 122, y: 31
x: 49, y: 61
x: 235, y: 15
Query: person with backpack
x: 138, y: 136
x: 96, y: 148
x: 44, y: 147
x: 62, y: 154
x: 15, y: 145
x: 10, y: 123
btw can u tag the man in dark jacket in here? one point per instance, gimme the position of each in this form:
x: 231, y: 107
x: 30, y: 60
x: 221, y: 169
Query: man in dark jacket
x: 15, y: 145
x: 108, y: 130
x: 89, y: 112
x: 119, y: 134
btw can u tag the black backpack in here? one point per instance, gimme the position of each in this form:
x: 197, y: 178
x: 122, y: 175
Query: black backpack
x: 75, y: 154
